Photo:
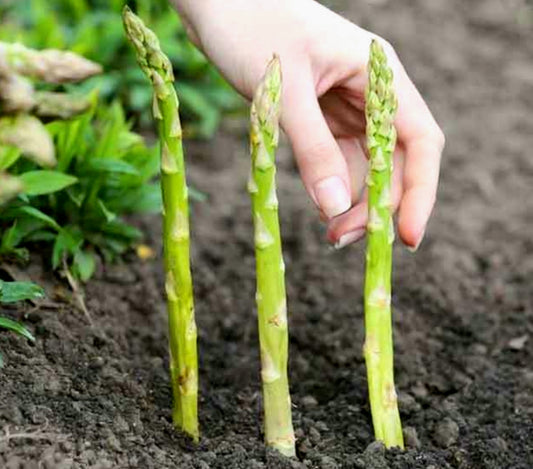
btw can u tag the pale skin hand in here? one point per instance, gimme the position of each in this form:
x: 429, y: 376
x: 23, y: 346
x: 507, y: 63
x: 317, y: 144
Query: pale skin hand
x: 324, y: 60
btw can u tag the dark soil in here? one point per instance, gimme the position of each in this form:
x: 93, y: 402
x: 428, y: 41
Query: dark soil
x: 99, y: 397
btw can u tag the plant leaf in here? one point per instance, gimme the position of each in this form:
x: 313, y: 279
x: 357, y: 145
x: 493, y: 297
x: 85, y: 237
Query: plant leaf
x: 36, y: 213
x: 70, y: 137
x: 68, y: 241
x: 83, y: 264
x: 8, y: 156
x: 119, y: 229
x: 10, y: 238
x: 22, y: 227
x: 108, y: 165
x: 16, y: 327
x: 46, y: 182
x: 41, y: 235
x: 108, y: 214
x: 145, y: 199
x: 11, y: 292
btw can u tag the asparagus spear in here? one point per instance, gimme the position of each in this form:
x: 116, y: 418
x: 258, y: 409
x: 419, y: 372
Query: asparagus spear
x: 270, y: 297
x: 10, y: 186
x: 28, y: 134
x: 380, y: 110
x: 182, y: 327
x: 49, y: 65
x: 52, y: 105
x: 16, y: 94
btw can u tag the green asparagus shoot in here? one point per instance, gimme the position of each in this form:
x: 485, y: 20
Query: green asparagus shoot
x: 380, y: 110
x: 182, y: 327
x: 270, y: 296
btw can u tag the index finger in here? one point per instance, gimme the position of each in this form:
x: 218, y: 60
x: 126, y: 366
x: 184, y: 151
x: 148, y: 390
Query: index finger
x: 423, y: 142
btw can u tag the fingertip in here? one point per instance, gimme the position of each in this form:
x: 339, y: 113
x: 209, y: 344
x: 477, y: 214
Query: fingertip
x: 413, y: 217
x: 332, y: 196
x: 322, y: 165
x: 350, y: 238
x: 350, y: 222
x: 421, y: 176
x: 411, y: 237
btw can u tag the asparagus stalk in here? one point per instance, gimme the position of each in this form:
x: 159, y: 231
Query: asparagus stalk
x: 270, y: 297
x: 49, y: 65
x: 380, y: 110
x: 182, y: 327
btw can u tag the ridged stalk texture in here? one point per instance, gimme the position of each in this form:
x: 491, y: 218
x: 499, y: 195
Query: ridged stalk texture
x: 381, y: 107
x: 270, y: 297
x: 182, y: 327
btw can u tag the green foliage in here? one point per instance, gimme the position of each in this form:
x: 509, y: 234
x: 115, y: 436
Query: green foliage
x: 104, y: 171
x: 42, y: 182
x: 11, y: 292
x: 9, y: 324
x: 93, y: 28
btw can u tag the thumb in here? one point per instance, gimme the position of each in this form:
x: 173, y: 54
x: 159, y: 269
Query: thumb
x: 322, y: 166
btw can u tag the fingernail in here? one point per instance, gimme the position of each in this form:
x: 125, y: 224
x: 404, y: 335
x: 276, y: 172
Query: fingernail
x: 349, y: 238
x: 332, y: 196
x: 414, y: 248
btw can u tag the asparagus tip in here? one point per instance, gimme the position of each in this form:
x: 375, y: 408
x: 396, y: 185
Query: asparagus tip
x: 151, y: 59
x: 49, y: 65
x: 267, y: 98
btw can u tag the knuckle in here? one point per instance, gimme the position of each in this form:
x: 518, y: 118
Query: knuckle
x: 439, y: 138
x: 432, y: 196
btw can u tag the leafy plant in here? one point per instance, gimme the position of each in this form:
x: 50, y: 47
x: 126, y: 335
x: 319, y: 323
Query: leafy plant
x: 103, y: 172
x: 12, y: 292
x: 77, y: 24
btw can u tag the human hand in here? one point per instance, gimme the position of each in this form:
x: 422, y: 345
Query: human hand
x: 324, y: 59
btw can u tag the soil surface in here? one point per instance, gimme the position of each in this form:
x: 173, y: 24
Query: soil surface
x: 99, y: 397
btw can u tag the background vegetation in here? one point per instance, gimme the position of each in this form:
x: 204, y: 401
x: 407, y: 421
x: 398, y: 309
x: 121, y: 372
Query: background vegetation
x: 75, y: 212
x: 103, y: 172
x: 93, y: 28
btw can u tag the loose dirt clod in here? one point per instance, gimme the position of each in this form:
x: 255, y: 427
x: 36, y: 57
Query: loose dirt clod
x: 446, y: 432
